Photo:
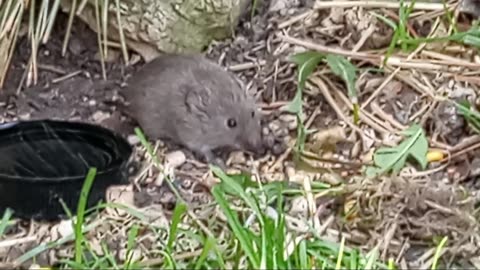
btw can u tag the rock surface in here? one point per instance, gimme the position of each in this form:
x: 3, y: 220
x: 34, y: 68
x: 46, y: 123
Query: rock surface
x: 172, y: 26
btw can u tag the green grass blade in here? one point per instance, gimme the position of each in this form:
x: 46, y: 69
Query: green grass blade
x: 437, y: 252
x: 81, y: 213
x: 169, y: 261
x: 132, y: 236
x: 109, y: 256
x: 144, y: 142
x: 371, y: 258
x: 208, y: 246
x: 43, y: 247
x: 232, y: 185
x: 302, y: 254
x: 340, y: 254
x: 237, y: 228
x: 178, y: 212
x: 7, y: 215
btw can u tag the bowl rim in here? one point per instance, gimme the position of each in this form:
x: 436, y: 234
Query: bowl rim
x: 102, y: 132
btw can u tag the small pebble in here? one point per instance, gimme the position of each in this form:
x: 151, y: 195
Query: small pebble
x: 65, y: 228
x: 53, y: 233
x: 25, y: 116
x: 274, y: 177
x: 121, y: 194
x: 269, y: 141
x: 233, y: 171
x: 289, y: 120
x: 299, y: 206
x: 35, y: 266
x: 290, y: 171
x: 186, y: 183
x: 282, y: 132
x: 278, y: 149
x: 237, y: 157
x: 301, y: 177
x: 133, y: 139
x: 274, y: 126
x: 175, y: 158
x: 135, y: 58
x: 99, y: 116
x: 62, y: 253
x: 134, y: 255
x: 333, y: 179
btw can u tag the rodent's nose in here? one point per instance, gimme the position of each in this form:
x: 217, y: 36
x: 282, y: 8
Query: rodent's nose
x: 258, y: 147
x: 253, y: 142
x: 261, y: 149
x: 262, y: 153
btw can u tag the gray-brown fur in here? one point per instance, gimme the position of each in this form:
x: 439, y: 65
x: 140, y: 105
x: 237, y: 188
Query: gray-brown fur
x: 188, y: 99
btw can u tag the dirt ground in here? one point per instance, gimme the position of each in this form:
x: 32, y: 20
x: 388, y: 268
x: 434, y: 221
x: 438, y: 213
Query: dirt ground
x: 405, y: 214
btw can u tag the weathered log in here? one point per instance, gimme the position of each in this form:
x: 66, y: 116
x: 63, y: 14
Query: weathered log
x: 172, y: 26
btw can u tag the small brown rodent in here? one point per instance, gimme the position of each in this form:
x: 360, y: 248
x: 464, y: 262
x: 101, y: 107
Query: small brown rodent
x: 194, y: 102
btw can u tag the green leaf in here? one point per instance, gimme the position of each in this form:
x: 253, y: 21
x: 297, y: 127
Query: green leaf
x: 307, y: 62
x: 472, y: 116
x: 472, y: 40
x: 344, y: 69
x: 295, y: 106
x: 243, y: 179
x: 385, y: 20
x: 394, y: 158
x: 301, y: 58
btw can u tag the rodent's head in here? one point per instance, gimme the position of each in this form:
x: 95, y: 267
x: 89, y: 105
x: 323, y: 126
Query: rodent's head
x: 227, y: 116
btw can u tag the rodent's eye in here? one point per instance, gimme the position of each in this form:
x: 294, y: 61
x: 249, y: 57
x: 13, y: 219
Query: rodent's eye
x: 231, y: 123
x: 253, y: 114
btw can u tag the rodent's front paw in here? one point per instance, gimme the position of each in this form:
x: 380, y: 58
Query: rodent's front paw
x: 208, y: 157
x: 217, y: 161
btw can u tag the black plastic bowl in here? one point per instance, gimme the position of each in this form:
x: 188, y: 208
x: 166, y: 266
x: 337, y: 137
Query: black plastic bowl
x: 46, y: 160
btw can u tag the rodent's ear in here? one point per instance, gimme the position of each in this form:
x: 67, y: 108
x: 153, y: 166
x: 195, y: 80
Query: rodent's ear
x: 196, y: 99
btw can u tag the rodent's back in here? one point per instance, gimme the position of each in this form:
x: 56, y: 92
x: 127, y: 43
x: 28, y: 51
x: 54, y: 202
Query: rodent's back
x: 157, y: 94
x: 153, y: 96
